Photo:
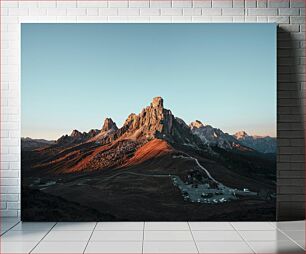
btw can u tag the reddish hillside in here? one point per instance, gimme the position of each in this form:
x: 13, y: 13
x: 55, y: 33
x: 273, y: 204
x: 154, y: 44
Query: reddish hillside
x: 119, y: 153
x: 152, y: 149
x: 82, y: 164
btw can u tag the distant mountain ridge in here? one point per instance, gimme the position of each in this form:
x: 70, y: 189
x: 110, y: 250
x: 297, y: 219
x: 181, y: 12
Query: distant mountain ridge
x: 30, y: 144
x: 262, y: 144
x: 216, y: 137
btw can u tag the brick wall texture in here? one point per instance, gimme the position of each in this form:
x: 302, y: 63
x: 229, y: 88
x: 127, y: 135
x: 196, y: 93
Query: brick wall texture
x: 289, y: 14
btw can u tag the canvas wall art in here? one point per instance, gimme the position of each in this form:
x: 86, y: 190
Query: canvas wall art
x: 155, y: 122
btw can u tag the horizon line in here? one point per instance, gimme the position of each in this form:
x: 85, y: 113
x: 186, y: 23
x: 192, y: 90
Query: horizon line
x: 68, y: 134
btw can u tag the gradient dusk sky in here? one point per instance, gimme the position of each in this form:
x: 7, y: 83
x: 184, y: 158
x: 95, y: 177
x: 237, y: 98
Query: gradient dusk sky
x: 75, y: 75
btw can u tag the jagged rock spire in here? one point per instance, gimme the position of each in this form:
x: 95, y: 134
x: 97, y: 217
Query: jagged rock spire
x: 75, y: 133
x: 109, y: 124
x: 157, y: 102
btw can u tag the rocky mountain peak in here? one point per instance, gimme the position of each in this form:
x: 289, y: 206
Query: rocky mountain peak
x: 155, y: 121
x: 76, y: 134
x: 240, y: 134
x: 131, y: 117
x: 109, y: 124
x: 152, y: 121
x: 157, y: 102
x: 93, y: 132
x: 196, y: 124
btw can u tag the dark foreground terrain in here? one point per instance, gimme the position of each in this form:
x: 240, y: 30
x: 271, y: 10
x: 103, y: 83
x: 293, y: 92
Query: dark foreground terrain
x: 142, y: 192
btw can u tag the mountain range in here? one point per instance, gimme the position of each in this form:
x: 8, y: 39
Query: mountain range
x: 155, y: 166
x: 31, y: 144
x: 264, y: 144
x: 157, y: 122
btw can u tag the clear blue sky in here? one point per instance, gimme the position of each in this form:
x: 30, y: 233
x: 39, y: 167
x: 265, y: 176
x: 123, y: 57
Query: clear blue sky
x: 75, y: 75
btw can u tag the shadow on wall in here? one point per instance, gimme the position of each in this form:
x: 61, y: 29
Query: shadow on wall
x: 290, y: 129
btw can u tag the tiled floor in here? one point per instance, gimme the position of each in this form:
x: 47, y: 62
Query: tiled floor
x: 152, y: 237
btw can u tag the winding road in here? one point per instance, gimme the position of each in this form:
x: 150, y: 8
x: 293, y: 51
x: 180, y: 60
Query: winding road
x: 200, y: 166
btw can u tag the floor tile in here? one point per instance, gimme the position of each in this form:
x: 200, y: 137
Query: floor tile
x: 17, y: 247
x: 60, y: 247
x: 166, y: 226
x: 253, y: 226
x: 5, y: 226
x: 9, y: 224
x: 301, y: 243
x: 33, y: 226
x: 273, y: 223
x: 63, y: 226
x: 296, y: 235
x: 211, y: 226
x: 23, y: 236
x: 274, y: 235
x: 114, y: 247
x: 3, y: 230
x: 291, y: 225
x: 216, y: 236
x: 276, y: 247
x: 101, y: 236
x: 69, y: 236
x: 223, y: 247
x: 120, y: 226
x: 169, y: 247
x: 168, y: 236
